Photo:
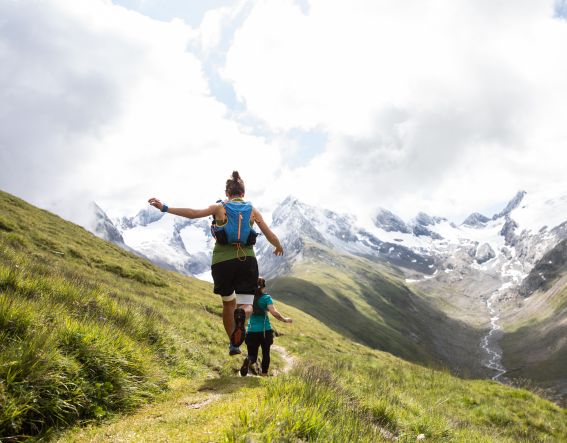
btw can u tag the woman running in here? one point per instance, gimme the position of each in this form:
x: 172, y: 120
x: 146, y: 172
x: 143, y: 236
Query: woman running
x: 234, y: 267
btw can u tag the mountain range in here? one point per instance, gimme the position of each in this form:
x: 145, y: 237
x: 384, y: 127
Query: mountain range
x: 425, y: 289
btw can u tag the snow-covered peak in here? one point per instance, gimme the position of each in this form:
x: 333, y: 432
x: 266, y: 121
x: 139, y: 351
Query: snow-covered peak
x: 147, y: 216
x: 320, y: 225
x: 540, y: 210
x: 506, y: 245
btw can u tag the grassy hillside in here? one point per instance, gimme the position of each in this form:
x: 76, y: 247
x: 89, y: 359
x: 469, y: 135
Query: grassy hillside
x: 535, y: 338
x: 96, y: 336
x: 88, y: 329
x: 370, y: 303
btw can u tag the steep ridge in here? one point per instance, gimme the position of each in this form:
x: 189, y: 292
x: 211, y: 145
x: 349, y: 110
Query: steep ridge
x: 90, y: 331
x: 535, y: 329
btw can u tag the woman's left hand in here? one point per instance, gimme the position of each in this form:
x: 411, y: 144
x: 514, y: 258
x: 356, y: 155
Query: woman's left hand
x: 155, y: 203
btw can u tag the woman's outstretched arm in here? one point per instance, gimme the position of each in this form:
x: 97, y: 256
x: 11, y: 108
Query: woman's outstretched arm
x: 186, y: 212
x: 270, y: 236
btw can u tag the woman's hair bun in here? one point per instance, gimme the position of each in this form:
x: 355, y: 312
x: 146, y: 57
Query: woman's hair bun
x: 235, y: 185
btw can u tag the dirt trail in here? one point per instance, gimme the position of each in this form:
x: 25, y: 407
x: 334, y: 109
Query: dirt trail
x: 197, y: 410
x: 288, y: 359
x: 289, y: 362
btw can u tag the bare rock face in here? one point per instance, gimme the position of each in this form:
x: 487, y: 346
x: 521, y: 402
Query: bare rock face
x: 508, y: 231
x: 103, y: 226
x: 419, y: 225
x: 476, y: 220
x: 390, y: 222
x: 484, y: 253
x: 546, y: 270
x: 512, y: 204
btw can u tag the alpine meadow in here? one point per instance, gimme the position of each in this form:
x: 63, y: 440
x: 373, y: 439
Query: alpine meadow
x: 99, y: 344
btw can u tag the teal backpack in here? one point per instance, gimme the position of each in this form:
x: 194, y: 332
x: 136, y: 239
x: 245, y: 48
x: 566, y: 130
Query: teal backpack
x: 237, y: 230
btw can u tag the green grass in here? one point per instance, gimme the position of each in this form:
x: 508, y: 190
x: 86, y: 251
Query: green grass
x: 534, y: 342
x: 97, y: 344
x: 86, y: 329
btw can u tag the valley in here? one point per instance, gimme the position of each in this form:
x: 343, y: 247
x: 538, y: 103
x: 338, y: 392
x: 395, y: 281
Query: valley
x: 427, y: 290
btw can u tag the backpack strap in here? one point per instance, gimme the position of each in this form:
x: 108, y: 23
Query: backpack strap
x: 256, y: 309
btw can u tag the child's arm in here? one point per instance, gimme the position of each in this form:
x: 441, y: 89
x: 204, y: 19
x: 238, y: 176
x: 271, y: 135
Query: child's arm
x: 277, y: 315
x: 187, y: 212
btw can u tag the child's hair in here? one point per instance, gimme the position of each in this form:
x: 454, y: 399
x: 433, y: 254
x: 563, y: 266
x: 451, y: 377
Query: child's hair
x: 235, y: 185
x: 260, y: 287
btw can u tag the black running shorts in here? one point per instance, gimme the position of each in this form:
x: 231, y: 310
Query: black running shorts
x: 236, y: 276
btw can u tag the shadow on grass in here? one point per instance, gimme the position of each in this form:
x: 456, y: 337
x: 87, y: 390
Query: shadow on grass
x: 402, y: 323
x: 229, y: 384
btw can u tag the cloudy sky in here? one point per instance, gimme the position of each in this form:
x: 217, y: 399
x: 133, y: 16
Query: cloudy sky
x: 446, y: 106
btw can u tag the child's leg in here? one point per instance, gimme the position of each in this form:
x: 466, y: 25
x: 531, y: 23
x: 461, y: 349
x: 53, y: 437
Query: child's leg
x: 267, y: 341
x: 253, y: 340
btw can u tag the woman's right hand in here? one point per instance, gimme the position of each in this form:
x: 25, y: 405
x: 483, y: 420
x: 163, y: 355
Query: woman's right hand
x: 278, y: 251
x: 288, y: 320
x: 155, y: 203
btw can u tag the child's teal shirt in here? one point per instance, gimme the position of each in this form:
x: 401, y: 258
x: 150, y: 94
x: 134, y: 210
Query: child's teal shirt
x: 261, y: 323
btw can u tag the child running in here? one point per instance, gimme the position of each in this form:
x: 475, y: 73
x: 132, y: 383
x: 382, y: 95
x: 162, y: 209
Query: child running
x: 260, y: 333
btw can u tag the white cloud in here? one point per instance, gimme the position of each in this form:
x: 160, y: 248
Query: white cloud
x: 103, y: 103
x: 437, y: 105
x: 445, y: 103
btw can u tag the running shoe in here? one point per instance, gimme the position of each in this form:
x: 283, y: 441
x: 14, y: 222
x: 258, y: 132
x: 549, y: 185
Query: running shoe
x: 244, y: 368
x: 233, y: 350
x: 254, y: 369
x: 239, y: 334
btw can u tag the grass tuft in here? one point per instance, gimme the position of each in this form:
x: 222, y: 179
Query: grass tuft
x: 6, y: 225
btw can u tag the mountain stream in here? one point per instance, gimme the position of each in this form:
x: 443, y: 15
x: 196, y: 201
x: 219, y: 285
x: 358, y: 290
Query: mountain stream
x: 489, y: 341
